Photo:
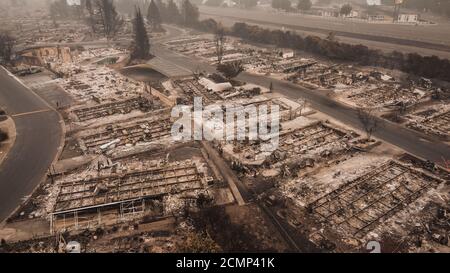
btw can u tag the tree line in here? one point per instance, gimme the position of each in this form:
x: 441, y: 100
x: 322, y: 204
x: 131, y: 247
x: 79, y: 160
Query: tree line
x: 157, y: 13
x: 423, y: 66
x: 244, y: 4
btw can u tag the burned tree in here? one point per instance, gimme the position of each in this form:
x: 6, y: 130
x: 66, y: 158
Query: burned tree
x: 369, y: 121
x: 141, y: 45
x: 346, y: 9
x: 231, y: 70
x: 302, y: 105
x: 285, y: 5
x: 219, y: 40
x: 3, y: 136
x: 7, y: 43
x: 103, y: 17
x: 173, y: 14
x: 198, y: 243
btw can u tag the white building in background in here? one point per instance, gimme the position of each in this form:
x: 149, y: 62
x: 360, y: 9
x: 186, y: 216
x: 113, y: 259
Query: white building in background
x: 74, y: 2
x: 376, y: 17
x: 408, y: 18
x: 373, y: 2
x: 229, y: 3
x: 287, y: 53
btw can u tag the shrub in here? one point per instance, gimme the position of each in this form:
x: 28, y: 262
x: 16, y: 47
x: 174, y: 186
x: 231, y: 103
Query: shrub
x: 3, y: 136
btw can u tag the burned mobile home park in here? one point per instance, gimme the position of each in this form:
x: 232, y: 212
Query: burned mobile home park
x: 355, y: 108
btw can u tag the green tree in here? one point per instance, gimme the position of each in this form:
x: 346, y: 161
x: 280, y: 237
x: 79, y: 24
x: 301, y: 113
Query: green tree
x: 141, y: 44
x: 162, y: 7
x: 109, y: 19
x: 276, y: 4
x: 7, y: 43
x: 346, y: 9
x: 304, y: 5
x: 282, y: 4
x: 59, y: 9
x: 189, y: 13
x: 154, y: 16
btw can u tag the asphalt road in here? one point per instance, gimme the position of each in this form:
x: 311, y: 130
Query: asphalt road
x: 38, y: 138
x: 411, y: 141
x: 423, y: 39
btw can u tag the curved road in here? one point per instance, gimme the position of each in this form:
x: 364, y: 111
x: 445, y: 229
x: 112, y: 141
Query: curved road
x: 411, y: 141
x: 38, y: 138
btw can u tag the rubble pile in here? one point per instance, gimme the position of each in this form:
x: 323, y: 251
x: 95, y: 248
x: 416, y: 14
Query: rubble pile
x: 385, y: 95
x: 357, y: 86
x: 255, y: 60
x: 437, y: 123
x: 204, y: 47
x: 36, y: 31
x: 89, y: 113
x: 130, y: 186
x: 210, y: 91
x: 379, y: 194
x: 89, y: 79
x: 298, y: 149
x: 131, y: 134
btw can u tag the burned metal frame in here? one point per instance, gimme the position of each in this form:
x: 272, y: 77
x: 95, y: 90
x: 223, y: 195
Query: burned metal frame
x: 141, y: 131
x: 122, y: 191
x: 193, y: 89
x: 360, y: 205
x: 440, y: 122
x: 108, y: 109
